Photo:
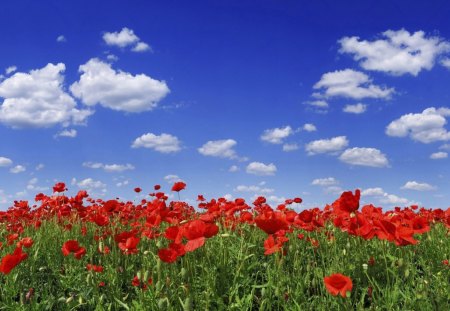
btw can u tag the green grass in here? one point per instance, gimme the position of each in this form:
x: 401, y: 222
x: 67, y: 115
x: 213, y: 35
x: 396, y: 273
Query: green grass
x: 230, y: 272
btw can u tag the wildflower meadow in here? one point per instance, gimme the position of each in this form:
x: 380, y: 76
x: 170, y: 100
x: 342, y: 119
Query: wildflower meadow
x: 82, y: 253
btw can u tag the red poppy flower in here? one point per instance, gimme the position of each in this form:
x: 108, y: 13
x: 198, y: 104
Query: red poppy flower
x: 59, y: 187
x: 94, y: 268
x: 271, y: 222
x: 157, y: 187
x: 137, y: 189
x: 135, y: 281
x: 72, y: 246
x: 192, y: 245
x: 129, y: 246
x: 25, y: 242
x: 69, y: 247
x: 100, y: 219
x: 167, y: 255
x: 178, y: 186
x: 348, y: 202
x: 12, y: 260
x: 338, y: 284
x: 101, y: 284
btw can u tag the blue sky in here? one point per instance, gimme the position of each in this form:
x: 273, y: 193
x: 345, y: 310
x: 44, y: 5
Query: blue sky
x: 237, y: 99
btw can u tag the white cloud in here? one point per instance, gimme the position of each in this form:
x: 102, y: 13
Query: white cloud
x: 100, y: 84
x: 426, y: 127
x: 109, y: 167
x: 233, y: 168
x: 357, y: 108
x: 61, y: 38
x: 112, y: 58
x: 394, y: 199
x: 365, y: 157
x: 276, y: 135
x: 37, y: 99
x: 384, y: 197
x: 121, y: 39
x: 227, y: 197
x: 5, y: 162
x: 255, y: 189
x: 67, y: 133
x: 164, y: 143
x: 439, y: 155
x: 126, y: 37
x: 219, y: 148
x: 309, y: 127
x: 352, y: 84
x: 414, y: 185
x: 290, y: 147
x: 90, y: 184
x: 32, y: 185
x: 331, y: 145
x: 122, y: 183
x: 398, y: 53
x: 329, y: 181
x: 17, y: 169
x: 171, y: 179
x: 141, y: 47
x: 258, y: 168
x: 372, y: 192
x: 10, y: 69
x: 446, y: 63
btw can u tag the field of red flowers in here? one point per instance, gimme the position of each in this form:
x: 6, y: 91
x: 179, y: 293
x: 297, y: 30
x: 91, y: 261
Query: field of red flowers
x: 79, y: 253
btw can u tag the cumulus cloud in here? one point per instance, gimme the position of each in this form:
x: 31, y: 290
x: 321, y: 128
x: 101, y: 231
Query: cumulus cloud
x: 356, y: 109
x: 328, y: 181
x: 254, y: 189
x: 5, y: 162
x: 110, y: 168
x: 90, y: 184
x: 351, y: 84
x: 331, y: 145
x: 439, y: 155
x: 290, y: 147
x: 164, y: 143
x: 373, y: 192
x: 10, y: 69
x: 141, y: 47
x: 397, y: 53
x: 364, y: 157
x: 219, y: 148
x: 425, y: 127
x: 414, y: 185
x: 101, y: 84
x: 384, y: 197
x: 67, y: 133
x: 125, y: 37
x: 171, y: 178
x: 445, y: 147
x: 309, y: 127
x: 261, y: 169
x: 17, y: 169
x: 37, y: 99
x: 276, y: 135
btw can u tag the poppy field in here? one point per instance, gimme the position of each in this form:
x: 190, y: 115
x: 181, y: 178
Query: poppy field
x: 82, y: 253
